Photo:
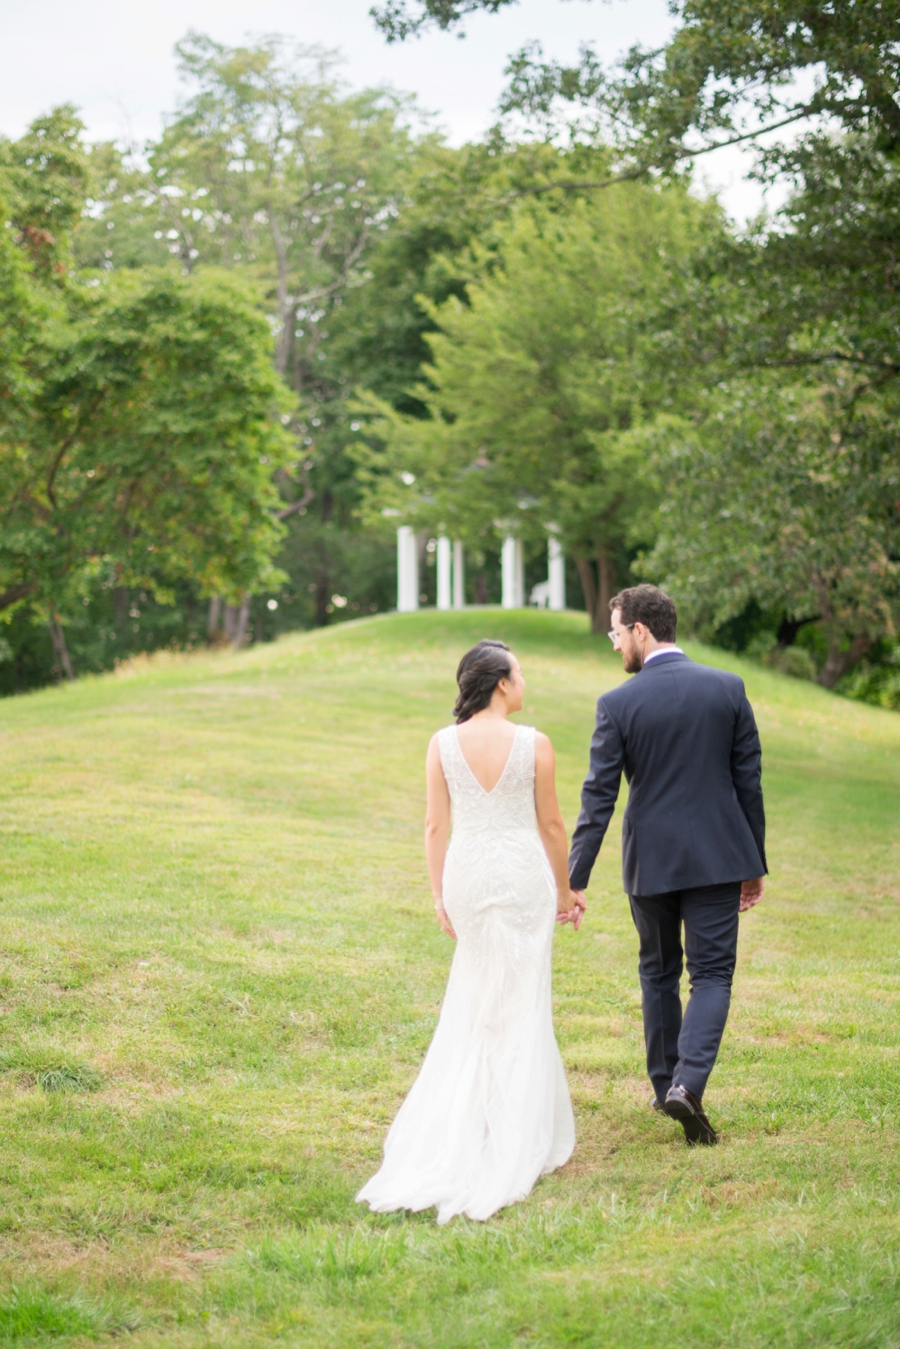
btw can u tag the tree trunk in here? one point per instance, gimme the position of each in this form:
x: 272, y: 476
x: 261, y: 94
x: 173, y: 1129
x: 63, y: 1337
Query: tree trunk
x: 323, y: 587
x: 60, y: 650
x: 14, y: 593
x: 215, y: 610
x: 481, y: 588
x: 241, y: 621
x: 838, y: 662
x: 588, y: 588
x: 607, y: 576
x: 597, y: 596
x: 230, y: 621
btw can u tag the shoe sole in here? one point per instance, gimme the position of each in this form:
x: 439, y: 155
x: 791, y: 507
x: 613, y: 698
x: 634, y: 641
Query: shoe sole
x: 695, y: 1131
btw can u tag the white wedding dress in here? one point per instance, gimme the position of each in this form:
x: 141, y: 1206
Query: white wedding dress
x: 490, y: 1111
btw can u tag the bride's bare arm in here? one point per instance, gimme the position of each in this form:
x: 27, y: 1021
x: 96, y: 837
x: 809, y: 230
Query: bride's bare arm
x: 551, y: 827
x: 437, y: 830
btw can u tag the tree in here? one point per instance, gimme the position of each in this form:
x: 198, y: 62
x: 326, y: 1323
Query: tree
x: 148, y: 445
x: 540, y: 383
x: 397, y: 21
x: 790, y: 497
x: 730, y: 71
x: 796, y: 323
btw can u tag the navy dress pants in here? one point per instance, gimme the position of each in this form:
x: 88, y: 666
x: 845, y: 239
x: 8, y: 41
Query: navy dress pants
x: 682, y: 1049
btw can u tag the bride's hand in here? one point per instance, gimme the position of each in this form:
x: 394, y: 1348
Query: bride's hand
x: 574, y: 913
x: 440, y: 914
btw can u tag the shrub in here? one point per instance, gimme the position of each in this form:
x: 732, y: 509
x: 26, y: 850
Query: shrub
x: 879, y: 684
x: 796, y: 662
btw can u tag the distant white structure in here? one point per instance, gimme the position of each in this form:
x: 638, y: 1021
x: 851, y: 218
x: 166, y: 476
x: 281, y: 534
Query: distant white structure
x: 444, y: 567
x: 451, y: 577
x: 407, y: 570
x: 540, y: 595
x: 556, y: 571
x: 459, y: 576
x: 551, y: 594
x: 512, y: 562
x: 451, y: 588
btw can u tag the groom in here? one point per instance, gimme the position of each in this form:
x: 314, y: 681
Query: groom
x: 693, y: 838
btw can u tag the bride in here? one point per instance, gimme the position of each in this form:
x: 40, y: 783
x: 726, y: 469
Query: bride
x: 490, y: 1111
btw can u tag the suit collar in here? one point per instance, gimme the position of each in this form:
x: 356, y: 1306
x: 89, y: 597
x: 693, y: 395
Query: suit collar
x: 664, y: 658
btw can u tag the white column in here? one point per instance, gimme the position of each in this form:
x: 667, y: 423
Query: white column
x: 509, y: 573
x: 556, y: 573
x: 407, y: 570
x: 520, y: 575
x: 443, y: 573
x: 459, y: 576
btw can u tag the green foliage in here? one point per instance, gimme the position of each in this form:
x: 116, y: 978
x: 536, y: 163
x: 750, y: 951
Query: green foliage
x: 731, y: 70
x: 536, y: 340
x: 46, y: 176
x: 271, y: 170
x: 878, y: 684
x: 811, y: 294
x: 150, y: 444
x: 139, y: 424
x: 541, y: 382
x: 784, y: 496
x: 397, y: 21
x: 454, y: 200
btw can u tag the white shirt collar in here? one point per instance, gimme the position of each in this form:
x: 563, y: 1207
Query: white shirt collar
x: 664, y: 651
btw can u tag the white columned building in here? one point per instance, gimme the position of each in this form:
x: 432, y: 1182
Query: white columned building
x: 512, y: 563
x: 459, y: 576
x: 556, y: 571
x: 444, y: 588
x: 407, y: 570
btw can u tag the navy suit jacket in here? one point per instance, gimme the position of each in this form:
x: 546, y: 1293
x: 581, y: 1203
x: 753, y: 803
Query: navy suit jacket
x: 685, y: 738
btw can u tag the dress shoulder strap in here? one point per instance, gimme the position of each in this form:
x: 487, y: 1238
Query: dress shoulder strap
x: 521, y: 756
x: 447, y: 743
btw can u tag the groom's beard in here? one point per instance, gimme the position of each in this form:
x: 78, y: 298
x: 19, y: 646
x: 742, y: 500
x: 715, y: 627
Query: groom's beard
x: 634, y: 662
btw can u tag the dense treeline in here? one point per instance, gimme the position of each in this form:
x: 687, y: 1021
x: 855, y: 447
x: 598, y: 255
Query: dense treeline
x: 231, y: 364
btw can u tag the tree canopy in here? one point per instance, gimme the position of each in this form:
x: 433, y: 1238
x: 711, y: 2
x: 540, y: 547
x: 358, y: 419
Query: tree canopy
x: 233, y: 362
x: 541, y: 380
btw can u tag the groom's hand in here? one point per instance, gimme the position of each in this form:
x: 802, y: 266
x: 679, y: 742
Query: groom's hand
x: 751, y: 893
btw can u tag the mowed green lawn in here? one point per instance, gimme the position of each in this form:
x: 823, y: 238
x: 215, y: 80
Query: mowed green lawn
x: 219, y: 971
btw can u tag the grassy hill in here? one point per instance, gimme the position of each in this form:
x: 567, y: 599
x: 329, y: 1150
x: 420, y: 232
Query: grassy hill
x: 219, y: 972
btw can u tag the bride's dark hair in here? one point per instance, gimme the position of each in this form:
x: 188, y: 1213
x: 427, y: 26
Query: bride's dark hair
x: 478, y: 674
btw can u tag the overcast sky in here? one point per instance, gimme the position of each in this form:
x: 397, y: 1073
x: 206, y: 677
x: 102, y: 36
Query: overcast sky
x: 113, y: 58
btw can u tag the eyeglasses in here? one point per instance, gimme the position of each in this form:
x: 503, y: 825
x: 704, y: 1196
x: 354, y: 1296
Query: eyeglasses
x: 614, y: 636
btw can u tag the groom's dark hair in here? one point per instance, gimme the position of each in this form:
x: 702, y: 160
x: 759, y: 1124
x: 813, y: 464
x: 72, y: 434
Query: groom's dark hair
x: 648, y: 605
x: 478, y: 674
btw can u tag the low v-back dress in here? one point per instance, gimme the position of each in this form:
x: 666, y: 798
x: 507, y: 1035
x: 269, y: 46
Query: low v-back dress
x: 490, y: 1110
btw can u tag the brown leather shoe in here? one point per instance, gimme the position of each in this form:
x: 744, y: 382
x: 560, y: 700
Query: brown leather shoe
x: 684, y: 1106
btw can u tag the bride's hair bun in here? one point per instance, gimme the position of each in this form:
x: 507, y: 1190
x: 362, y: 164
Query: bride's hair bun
x: 478, y: 674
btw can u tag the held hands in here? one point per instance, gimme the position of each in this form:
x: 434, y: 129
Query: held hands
x: 574, y: 900
x: 570, y: 908
x: 751, y: 893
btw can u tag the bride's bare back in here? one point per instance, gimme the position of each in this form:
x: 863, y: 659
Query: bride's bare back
x: 485, y: 743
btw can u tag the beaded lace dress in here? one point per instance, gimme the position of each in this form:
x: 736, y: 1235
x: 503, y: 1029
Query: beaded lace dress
x: 490, y: 1109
